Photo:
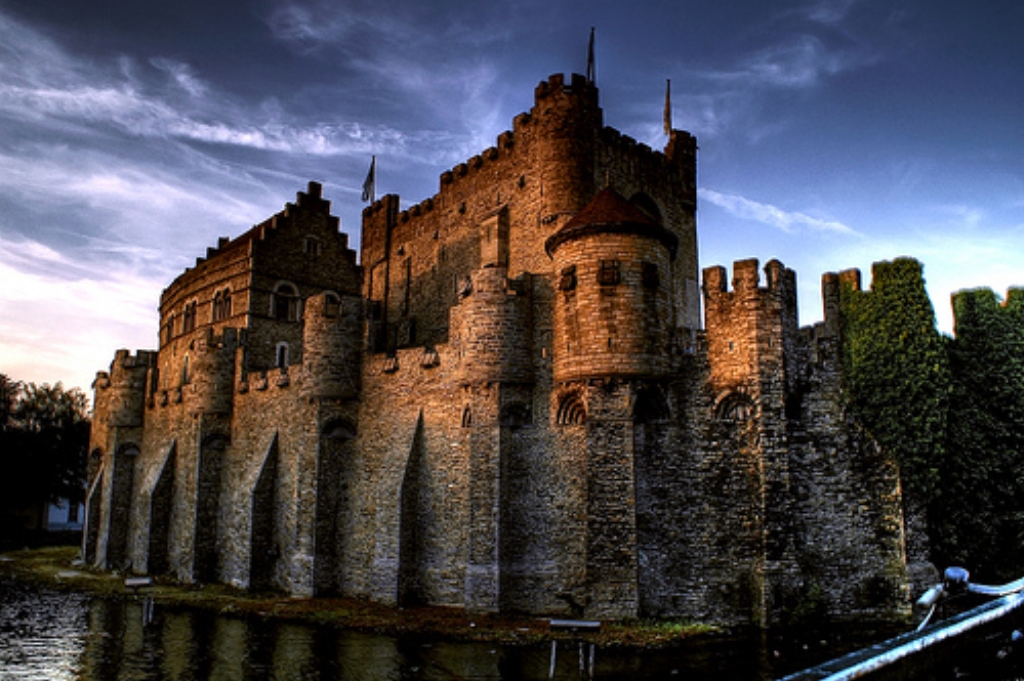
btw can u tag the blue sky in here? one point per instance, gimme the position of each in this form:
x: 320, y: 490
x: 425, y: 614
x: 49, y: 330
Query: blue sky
x: 832, y: 133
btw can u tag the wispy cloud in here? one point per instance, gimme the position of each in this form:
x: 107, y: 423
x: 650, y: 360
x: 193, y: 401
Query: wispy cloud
x: 123, y: 106
x: 829, y: 12
x: 48, y: 87
x: 413, y: 53
x: 63, y: 323
x: 799, y: 61
x: 765, y: 213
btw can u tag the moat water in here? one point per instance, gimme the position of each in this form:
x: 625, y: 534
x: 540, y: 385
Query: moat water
x: 59, y: 636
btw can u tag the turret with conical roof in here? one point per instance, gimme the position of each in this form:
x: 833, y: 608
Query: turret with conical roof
x: 613, y: 308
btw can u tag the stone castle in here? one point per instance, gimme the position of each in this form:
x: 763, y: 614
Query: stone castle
x: 506, y: 403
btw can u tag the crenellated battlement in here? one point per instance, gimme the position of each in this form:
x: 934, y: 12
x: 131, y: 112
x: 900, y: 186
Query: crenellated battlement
x: 579, y: 91
x: 625, y: 145
x: 449, y: 178
x: 779, y: 280
x: 832, y: 284
x: 120, y: 393
x: 210, y: 341
x: 278, y: 378
x: 553, y: 93
x: 124, y: 359
x: 969, y: 303
x: 125, y: 368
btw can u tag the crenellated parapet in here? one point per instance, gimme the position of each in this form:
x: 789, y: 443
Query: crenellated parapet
x: 276, y: 379
x: 984, y: 301
x: 555, y: 94
x: 780, y: 282
x: 832, y: 284
x: 120, y: 394
x: 752, y: 329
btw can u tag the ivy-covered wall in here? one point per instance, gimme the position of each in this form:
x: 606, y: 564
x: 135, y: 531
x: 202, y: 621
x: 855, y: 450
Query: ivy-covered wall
x: 950, y: 410
x: 979, y: 522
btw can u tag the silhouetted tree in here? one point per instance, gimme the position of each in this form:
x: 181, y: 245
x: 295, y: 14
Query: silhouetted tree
x: 45, y: 434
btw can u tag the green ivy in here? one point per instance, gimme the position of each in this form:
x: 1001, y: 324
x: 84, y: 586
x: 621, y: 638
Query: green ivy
x: 979, y: 522
x: 896, y: 371
x: 950, y: 410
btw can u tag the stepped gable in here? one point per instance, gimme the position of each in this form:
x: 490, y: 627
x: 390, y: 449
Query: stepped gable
x: 611, y: 213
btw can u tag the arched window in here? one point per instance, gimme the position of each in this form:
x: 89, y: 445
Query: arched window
x: 332, y: 304
x: 221, y: 305
x: 285, y: 303
x: 188, y: 317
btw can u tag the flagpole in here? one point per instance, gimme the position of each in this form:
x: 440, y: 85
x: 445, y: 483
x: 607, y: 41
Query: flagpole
x: 668, y: 107
x: 591, y: 67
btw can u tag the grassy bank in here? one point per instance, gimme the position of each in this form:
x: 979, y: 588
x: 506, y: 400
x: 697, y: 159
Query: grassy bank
x: 58, y: 568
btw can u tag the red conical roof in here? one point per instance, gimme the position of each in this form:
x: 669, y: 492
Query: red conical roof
x: 607, y: 213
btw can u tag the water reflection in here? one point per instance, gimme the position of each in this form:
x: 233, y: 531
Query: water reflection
x: 40, y: 638
x: 50, y: 635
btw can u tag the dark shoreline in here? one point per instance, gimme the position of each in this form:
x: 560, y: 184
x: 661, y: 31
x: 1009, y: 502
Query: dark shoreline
x: 58, y: 568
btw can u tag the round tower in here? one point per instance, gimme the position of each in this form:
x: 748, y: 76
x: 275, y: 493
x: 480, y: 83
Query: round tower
x: 493, y: 324
x: 564, y: 124
x: 210, y: 377
x: 121, y: 393
x: 331, y: 343
x: 613, y: 294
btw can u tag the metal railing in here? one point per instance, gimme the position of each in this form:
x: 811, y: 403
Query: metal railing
x: 863, y: 663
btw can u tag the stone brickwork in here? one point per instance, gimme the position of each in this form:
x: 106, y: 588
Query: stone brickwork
x: 508, y: 405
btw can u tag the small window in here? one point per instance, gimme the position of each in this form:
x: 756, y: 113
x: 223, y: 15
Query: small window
x: 221, y: 305
x: 285, y: 303
x: 332, y: 305
x: 568, y: 280
x: 184, y: 371
x: 281, y: 361
x: 649, y: 275
x: 188, y: 317
x: 312, y: 246
x: 609, y: 274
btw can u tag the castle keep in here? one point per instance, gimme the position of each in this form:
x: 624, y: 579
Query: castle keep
x: 506, y: 403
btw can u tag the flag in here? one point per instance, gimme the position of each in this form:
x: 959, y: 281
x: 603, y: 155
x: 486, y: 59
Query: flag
x: 591, y: 70
x: 369, y: 184
x: 668, y: 107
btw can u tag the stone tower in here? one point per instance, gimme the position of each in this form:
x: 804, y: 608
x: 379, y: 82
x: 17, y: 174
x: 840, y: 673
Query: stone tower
x: 114, y: 444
